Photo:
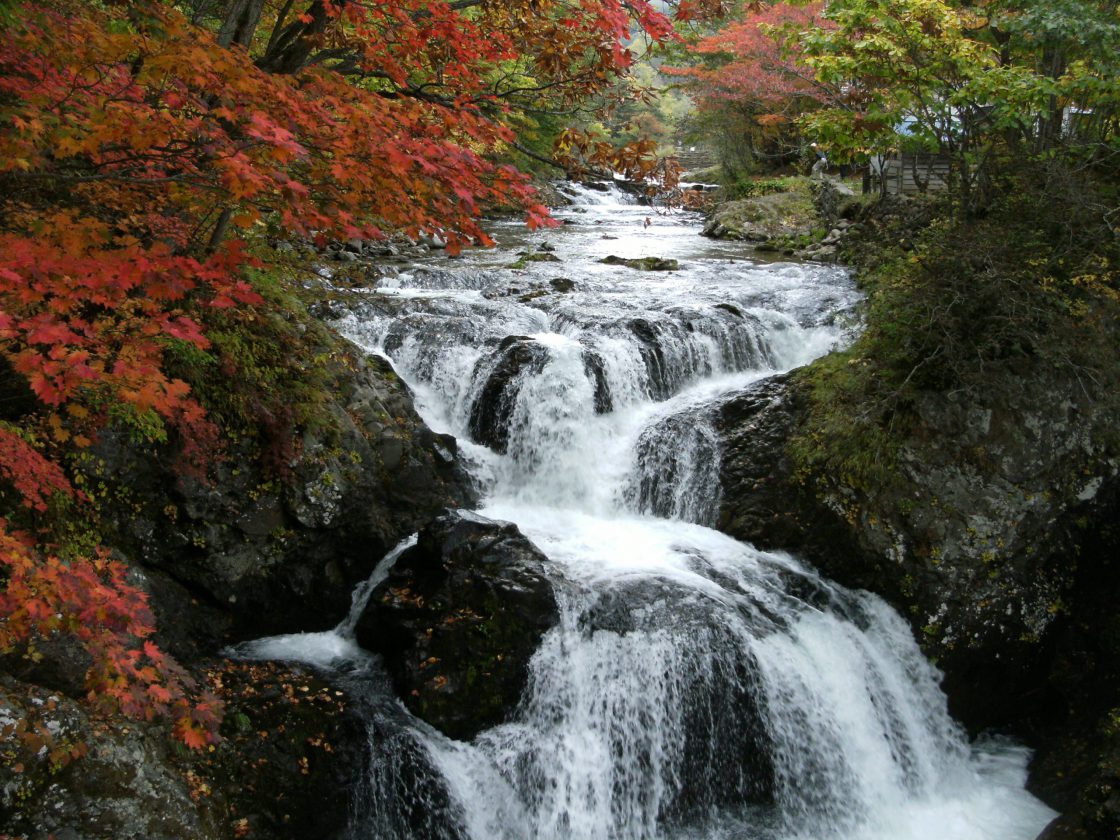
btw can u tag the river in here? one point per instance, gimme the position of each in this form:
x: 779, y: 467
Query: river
x: 696, y: 687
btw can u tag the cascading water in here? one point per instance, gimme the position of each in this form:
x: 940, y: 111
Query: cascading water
x: 695, y: 687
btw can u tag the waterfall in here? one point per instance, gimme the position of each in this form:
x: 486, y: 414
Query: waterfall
x: 695, y: 687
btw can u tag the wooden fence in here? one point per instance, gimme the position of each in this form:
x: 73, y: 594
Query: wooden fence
x: 909, y: 173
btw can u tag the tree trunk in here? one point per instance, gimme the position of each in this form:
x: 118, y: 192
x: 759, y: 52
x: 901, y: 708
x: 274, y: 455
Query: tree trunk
x: 219, y: 232
x: 240, y: 22
x: 290, y: 51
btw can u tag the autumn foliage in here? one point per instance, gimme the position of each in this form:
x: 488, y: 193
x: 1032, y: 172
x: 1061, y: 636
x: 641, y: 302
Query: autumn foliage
x: 144, y: 148
x: 749, y: 61
x: 749, y: 76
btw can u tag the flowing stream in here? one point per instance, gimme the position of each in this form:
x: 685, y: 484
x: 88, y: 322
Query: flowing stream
x: 695, y: 687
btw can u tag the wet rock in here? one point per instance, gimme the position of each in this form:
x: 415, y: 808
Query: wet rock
x: 260, y: 555
x: 642, y: 263
x: 596, y: 371
x: 976, y: 559
x: 729, y: 307
x: 761, y: 501
x: 119, y: 781
x: 562, y: 284
x: 637, y: 605
x: 726, y: 758
x: 1005, y: 565
x: 653, y: 354
x: 525, y: 258
x: 677, y: 468
x: 458, y: 619
x: 490, y: 415
x: 285, y: 766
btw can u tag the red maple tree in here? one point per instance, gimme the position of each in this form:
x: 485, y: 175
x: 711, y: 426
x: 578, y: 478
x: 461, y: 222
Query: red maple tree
x: 751, y: 68
x: 141, y: 142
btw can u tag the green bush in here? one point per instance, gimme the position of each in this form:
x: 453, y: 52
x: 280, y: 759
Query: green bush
x: 966, y: 307
x: 749, y: 187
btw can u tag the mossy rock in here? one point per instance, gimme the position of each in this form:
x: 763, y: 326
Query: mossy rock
x: 762, y: 218
x: 524, y: 259
x: 642, y: 263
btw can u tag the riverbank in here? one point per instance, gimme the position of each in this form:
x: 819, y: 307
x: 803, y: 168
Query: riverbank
x: 960, y: 459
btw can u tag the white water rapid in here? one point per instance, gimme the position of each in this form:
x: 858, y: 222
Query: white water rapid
x: 696, y: 688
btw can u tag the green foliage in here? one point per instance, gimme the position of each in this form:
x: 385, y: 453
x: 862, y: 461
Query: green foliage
x: 967, y: 308
x: 846, y: 437
x: 908, y: 60
x: 750, y: 187
x: 1016, y: 79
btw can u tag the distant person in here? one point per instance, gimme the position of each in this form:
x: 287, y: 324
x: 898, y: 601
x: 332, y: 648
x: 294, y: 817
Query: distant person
x: 819, y: 165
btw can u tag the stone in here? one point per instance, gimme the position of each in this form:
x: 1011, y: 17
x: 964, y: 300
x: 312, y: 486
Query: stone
x: 124, y: 787
x: 291, y: 748
x: 263, y: 517
x: 596, y: 369
x: 782, y: 216
x: 458, y: 619
x: 1005, y: 565
x: 492, y: 409
x: 642, y: 263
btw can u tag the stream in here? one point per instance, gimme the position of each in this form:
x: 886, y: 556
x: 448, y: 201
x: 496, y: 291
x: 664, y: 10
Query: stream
x: 696, y: 688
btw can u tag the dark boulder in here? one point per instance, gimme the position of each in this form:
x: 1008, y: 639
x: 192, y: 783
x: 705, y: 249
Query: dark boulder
x: 58, y: 662
x: 977, y: 560
x: 726, y: 754
x: 459, y: 618
x: 763, y: 503
x: 293, y: 754
x: 596, y: 371
x: 649, y: 338
x: 676, y: 471
x: 515, y: 357
x: 642, y: 263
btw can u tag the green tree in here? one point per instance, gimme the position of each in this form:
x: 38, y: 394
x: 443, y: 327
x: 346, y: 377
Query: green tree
x: 900, y: 73
x: 977, y: 83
